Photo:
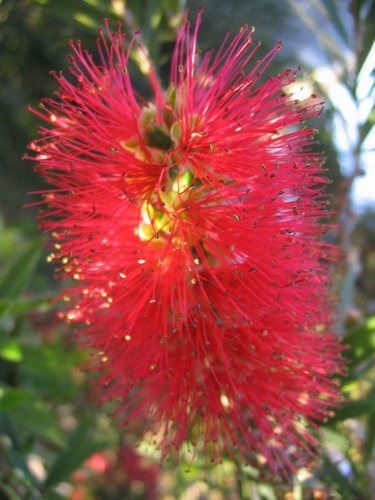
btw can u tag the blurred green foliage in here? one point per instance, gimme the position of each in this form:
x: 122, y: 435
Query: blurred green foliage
x: 54, y: 443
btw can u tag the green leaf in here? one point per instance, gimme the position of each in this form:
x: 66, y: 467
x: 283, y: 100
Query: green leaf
x: 361, y: 342
x: 11, y: 351
x: 48, y: 369
x: 89, y: 14
x: 11, y: 398
x: 36, y: 417
x: 9, y: 492
x: 18, y: 276
x: 355, y: 9
x: 330, y: 473
x: 366, y: 128
x: 330, y: 436
x: 266, y: 491
x: 4, y: 307
x: 7, y: 428
x: 80, y: 447
x: 20, y: 306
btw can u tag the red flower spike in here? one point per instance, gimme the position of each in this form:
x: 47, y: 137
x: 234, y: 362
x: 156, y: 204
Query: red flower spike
x: 192, y: 227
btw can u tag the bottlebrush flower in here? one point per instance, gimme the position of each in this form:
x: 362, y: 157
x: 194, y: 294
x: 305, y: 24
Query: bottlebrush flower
x: 192, y: 226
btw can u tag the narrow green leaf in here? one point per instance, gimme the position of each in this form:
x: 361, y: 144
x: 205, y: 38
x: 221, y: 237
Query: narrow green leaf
x: 17, y: 459
x: 18, y: 276
x: 356, y: 408
x: 366, y: 128
x: 20, y: 307
x: 48, y: 369
x: 88, y: 14
x: 332, y: 474
x: 25, y: 306
x: 36, y: 417
x: 80, y: 447
x: 370, y: 441
x: 330, y: 436
x: 336, y: 19
x: 355, y: 9
x: 8, y: 492
x: 365, y: 26
x: 266, y: 491
x: 7, y: 428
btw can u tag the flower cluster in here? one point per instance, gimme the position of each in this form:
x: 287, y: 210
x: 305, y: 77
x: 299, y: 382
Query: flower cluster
x: 190, y: 226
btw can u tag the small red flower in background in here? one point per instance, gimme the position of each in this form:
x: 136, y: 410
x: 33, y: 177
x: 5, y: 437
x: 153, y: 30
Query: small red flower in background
x: 120, y: 474
x: 191, y: 225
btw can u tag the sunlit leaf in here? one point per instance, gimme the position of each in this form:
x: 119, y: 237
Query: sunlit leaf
x: 11, y: 351
x: 86, y: 20
x: 250, y: 472
x: 330, y: 436
x: 89, y: 14
x: 266, y: 492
